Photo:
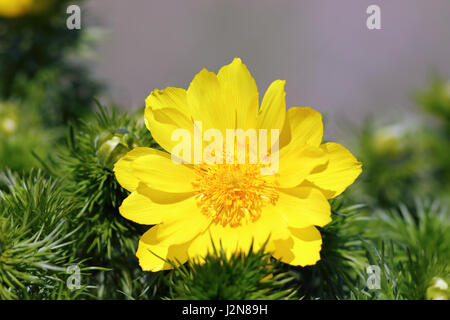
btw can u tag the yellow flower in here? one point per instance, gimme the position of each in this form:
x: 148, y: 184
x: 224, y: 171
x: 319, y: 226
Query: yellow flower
x: 193, y: 204
x: 14, y: 8
x: 18, y: 8
x: 9, y: 118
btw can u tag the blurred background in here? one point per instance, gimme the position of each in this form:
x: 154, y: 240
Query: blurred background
x: 331, y: 61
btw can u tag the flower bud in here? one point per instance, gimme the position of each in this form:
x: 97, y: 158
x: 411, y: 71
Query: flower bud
x: 438, y: 290
x: 113, y: 146
x: 391, y: 141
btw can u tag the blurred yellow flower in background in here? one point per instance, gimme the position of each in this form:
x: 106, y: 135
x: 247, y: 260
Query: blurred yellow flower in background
x: 18, y: 8
x: 194, y: 206
x: 15, y: 8
x: 9, y: 118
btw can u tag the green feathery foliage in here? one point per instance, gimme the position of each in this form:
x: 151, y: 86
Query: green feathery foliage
x: 86, y: 165
x: 334, y: 275
x: 396, y: 165
x: 138, y: 285
x: 411, y: 250
x: 36, y: 239
x: 436, y: 101
x: 242, y: 276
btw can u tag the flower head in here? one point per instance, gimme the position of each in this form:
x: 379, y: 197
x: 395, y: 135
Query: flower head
x: 18, y: 8
x: 15, y: 8
x: 272, y: 182
x: 438, y: 290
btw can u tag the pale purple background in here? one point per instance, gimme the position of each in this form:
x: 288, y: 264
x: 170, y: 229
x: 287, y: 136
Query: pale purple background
x: 330, y: 60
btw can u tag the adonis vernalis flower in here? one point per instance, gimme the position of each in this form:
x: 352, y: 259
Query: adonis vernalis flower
x: 9, y: 8
x: 18, y: 8
x: 197, y: 203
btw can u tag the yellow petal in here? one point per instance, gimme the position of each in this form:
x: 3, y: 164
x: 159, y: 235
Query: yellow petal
x: 156, y: 257
x: 159, y: 172
x: 167, y: 110
x: 208, y: 104
x: 149, y: 206
x: 231, y: 240
x: 123, y: 171
x: 180, y: 227
x: 303, y: 126
x: 302, y: 249
x: 241, y: 93
x: 201, y: 246
x: 171, y: 98
x: 303, y: 207
x: 297, y: 163
x: 268, y: 227
x: 273, y: 107
x: 341, y: 171
x: 270, y: 223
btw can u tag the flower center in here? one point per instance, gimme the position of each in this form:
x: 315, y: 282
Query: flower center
x: 233, y: 194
